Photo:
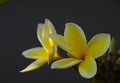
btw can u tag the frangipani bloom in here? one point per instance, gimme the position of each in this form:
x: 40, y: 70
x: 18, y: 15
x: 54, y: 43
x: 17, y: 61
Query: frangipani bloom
x: 43, y: 54
x: 80, y: 52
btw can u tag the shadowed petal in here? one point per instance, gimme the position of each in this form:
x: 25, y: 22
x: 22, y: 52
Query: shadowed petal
x: 35, y: 53
x: 65, y: 63
x: 53, y: 55
x: 98, y: 45
x: 35, y: 65
x: 88, y: 67
x: 75, y: 39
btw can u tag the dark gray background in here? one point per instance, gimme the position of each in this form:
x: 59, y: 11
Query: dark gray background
x: 18, y: 25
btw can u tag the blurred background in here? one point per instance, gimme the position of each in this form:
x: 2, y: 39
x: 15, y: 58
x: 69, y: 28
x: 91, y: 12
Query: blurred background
x: 18, y: 25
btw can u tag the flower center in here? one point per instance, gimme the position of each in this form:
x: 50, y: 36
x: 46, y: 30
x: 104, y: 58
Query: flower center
x: 82, y: 57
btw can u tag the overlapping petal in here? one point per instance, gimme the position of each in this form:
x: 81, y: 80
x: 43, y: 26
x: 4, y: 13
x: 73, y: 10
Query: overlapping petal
x: 50, y: 26
x: 98, y: 45
x: 88, y: 67
x: 35, y: 65
x: 36, y: 53
x: 53, y: 55
x: 65, y: 63
x: 59, y: 40
x: 75, y: 39
x: 43, y: 32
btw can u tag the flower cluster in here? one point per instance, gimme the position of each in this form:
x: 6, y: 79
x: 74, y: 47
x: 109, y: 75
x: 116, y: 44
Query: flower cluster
x: 82, y: 55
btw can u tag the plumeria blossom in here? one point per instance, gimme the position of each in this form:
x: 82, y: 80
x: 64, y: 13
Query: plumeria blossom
x: 43, y: 54
x: 81, y: 52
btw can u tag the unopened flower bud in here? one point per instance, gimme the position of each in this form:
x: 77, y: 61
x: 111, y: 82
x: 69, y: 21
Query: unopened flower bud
x: 118, y: 61
x: 112, y: 46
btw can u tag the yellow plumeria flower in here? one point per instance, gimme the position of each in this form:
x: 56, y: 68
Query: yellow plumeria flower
x: 80, y: 52
x: 43, y: 54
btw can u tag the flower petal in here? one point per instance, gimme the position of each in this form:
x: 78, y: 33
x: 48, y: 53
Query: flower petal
x: 75, y: 39
x: 50, y: 26
x: 59, y: 40
x: 53, y: 55
x: 39, y: 31
x: 43, y: 34
x: 88, y: 67
x: 35, y: 53
x: 64, y: 63
x: 35, y: 65
x: 98, y: 45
